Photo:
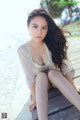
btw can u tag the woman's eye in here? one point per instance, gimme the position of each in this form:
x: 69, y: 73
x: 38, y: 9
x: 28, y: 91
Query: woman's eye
x: 44, y: 28
x: 35, y: 26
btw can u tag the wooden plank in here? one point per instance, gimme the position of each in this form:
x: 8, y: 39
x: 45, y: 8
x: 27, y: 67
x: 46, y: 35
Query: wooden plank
x: 75, y: 61
x: 73, y: 41
x: 77, y: 73
x: 74, y: 48
x: 74, y: 57
x: 70, y: 113
x: 77, y: 80
x: 76, y: 66
x: 73, y: 51
x: 53, y: 92
x: 55, y: 104
x: 75, y: 45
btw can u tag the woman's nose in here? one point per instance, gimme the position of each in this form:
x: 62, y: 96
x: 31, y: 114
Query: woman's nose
x: 39, y: 31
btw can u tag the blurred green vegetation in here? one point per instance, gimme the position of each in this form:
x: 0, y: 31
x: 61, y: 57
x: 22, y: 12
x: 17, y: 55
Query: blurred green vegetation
x: 55, y: 7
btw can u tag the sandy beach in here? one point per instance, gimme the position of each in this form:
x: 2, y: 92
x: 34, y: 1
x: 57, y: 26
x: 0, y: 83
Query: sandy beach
x: 14, y: 93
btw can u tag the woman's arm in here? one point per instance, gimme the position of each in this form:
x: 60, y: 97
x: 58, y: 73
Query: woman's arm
x: 32, y: 104
x: 32, y: 90
x: 28, y: 70
x: 27, y: 67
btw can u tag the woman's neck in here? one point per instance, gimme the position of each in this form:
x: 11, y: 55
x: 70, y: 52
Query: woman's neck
x: 35, y: 44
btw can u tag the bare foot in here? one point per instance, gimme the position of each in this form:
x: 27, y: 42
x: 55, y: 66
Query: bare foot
x: 32, y: 105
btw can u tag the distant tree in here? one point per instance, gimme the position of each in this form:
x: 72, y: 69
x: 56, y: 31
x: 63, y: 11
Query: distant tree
x: 44, y: 5
x: 55, y: 7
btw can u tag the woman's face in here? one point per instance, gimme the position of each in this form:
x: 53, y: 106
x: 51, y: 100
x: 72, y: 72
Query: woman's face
x: 38, y: 28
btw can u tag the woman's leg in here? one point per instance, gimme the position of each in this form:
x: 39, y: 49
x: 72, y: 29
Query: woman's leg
x: 65, y: 87
x: 69, y: 77
x: 41, y: 91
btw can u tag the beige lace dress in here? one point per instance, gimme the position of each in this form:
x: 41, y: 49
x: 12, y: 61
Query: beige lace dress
x: 32, y: 69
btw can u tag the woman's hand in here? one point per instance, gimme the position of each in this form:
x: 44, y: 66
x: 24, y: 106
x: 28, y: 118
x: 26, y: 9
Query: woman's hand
x: 32, y: 105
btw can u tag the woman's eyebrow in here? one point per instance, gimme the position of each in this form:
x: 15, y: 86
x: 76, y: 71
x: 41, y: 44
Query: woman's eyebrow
x: 42, y: 26
x: 34, y: 24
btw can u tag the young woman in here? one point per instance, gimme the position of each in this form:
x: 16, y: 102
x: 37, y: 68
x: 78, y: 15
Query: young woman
x: 45, y: 62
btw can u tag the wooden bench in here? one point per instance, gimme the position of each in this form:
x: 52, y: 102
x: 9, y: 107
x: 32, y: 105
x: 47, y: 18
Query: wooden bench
x: 59, y: 108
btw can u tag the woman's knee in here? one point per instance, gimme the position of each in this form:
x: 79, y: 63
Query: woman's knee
x: 42, y: 77
x: 52, y: 73
x: 53, y: 76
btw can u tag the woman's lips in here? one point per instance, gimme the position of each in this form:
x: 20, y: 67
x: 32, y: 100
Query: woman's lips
x: 38, y: 37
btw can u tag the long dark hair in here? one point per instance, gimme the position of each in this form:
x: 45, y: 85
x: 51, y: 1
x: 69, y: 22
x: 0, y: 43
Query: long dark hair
x: 55, y: 39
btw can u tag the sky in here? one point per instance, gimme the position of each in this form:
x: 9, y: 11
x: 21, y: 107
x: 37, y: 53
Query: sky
x: 13, y: 14
x: 13, y: 17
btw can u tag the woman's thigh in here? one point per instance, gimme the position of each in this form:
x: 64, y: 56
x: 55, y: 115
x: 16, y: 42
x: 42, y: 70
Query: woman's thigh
x: 44, y: 75
x: 54, y: 74
x: 42, y: 78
